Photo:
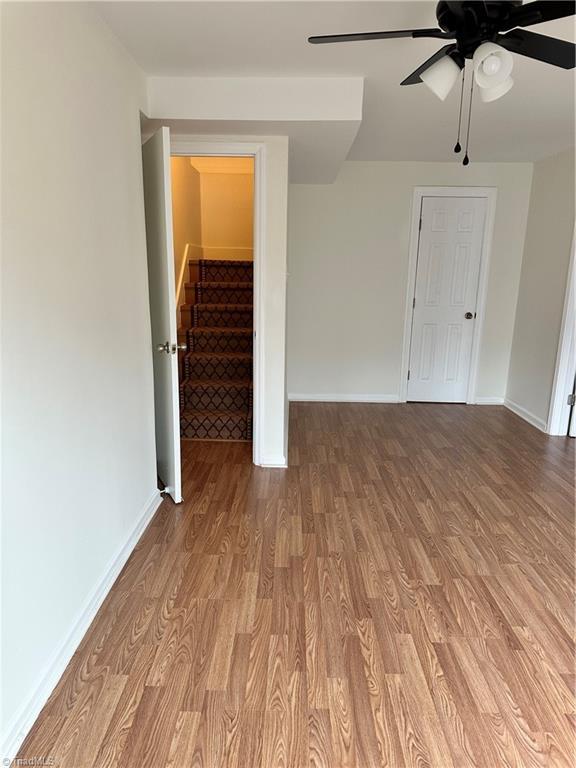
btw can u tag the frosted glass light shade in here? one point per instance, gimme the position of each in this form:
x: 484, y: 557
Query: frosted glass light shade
x: 492, y: 77
x: 441, y: 76
x: 491, y: 94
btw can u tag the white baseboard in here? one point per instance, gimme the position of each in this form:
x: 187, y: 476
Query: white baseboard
x: 271, y: 462
x: 21, y: 723
x: 536, y: 421
x: 322, y: 398
x: 331, y: 398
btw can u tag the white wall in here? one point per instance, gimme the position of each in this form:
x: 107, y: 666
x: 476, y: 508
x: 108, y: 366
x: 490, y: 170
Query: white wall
x: 256, y: 98
x: 348, y: 267
x: 542, y: 287
x: 78, y: 467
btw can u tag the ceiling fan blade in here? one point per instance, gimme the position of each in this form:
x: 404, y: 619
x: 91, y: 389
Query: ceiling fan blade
x: 380, y: 35
x: 551, y: 50
x: 414, y: 78
x: 538, y: 12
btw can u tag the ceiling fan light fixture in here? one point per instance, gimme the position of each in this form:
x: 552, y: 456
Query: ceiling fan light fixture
x: 441, y: 76
x: 492, y: 66
x: 471, y: 27
x: 491, y: 94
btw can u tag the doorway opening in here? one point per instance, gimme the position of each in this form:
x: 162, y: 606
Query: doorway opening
x: 213, y: 231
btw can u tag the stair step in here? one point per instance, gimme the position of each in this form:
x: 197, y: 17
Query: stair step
x: 216, y: 315
x: 216, y: 395
x: 219, y: 270
x: 217, y: 320
x: 222, y: 315
x: 215, y: 425
x: 219, y: 340
x: 219, y: 366
x: 219, y: 293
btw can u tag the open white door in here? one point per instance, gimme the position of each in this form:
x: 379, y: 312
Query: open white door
x: 158, y: 208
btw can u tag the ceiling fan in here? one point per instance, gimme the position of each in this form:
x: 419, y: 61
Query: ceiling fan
x: 487, y: 32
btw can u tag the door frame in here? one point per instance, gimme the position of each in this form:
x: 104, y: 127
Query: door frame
x: 490, y: 194
x: 183, y: 146
x: 559, y: 412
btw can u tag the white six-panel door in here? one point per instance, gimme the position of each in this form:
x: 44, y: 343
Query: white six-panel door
x: 446, y: 288
x: 161, y: 283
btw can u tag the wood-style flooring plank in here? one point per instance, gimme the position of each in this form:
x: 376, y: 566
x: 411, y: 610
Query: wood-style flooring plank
x: 400, y: 597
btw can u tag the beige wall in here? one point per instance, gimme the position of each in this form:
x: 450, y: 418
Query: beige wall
x: 186, y: 214
x: 542, y: 286
x: 186, y: 220
x: 227, y: 213
x: 77, y: 393
x: 213, y: 207
x: 348, y: 265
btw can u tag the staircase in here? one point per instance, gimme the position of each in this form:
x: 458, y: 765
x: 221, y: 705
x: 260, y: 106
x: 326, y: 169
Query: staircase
x: 216, y: 368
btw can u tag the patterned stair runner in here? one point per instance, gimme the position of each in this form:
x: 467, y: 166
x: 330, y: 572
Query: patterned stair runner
x: 216, y: 372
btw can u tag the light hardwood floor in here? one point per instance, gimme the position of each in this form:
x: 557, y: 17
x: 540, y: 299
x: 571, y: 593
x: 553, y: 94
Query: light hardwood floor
x: 402, y: 595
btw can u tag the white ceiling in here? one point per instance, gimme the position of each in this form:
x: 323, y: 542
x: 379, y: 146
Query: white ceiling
x: 268, y: 39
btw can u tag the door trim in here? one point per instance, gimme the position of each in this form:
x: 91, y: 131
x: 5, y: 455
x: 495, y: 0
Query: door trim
x: 490, y: 194
x: 559, y: 413
x: 188, y: 147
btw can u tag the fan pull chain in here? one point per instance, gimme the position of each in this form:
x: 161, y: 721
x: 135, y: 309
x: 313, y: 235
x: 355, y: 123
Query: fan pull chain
x: 466, y: 158
x: 457, y: 147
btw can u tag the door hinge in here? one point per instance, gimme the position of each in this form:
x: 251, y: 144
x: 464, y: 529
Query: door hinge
x: 413, y: 302
x: 572, y: 399
x: 408, y: 375
x: 420, y: 224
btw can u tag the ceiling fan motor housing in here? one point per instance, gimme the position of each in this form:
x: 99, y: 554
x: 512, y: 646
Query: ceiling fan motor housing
x: 473, y: 23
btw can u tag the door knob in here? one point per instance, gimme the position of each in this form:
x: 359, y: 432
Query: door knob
x: 171, y: 348
x: 468, y: 315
